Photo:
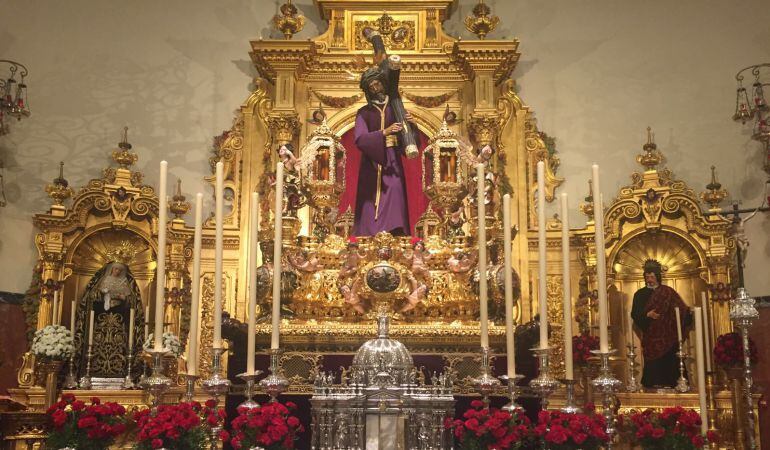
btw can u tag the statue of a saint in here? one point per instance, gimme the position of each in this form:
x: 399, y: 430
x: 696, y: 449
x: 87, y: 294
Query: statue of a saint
x: 111, y: 294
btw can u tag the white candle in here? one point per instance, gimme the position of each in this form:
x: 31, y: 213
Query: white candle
x: 219, y: 217
x: 60, y: 309
x: 568, y: 372
x: 278, y: 239
x: 91, y: 329
x: 601, y: 264
x: 481, y: 211
x: 706, y: 334
x: 160, y: 276
x: 146, y: 322
x: 254, y: 245
x: 131, y: 321
x: 73, y: 311
x: 542, y: 293
x: 55, y: 308
x: 678, y: 324
x: 509, y: 332
x: 192, y: 340
x: 704, y: 418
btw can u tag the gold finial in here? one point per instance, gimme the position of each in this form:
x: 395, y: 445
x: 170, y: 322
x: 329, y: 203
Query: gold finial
x: 289, y: 22
x: 59, y: 189
x: 714, y: 194
x: 587, y: 207
x: 651, y: 156
x: 178, y: 205
x: 481, y: 22
x: 124, y: 157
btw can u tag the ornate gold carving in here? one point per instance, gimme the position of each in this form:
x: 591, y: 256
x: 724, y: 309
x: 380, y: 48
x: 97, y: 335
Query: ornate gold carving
x: 483, y: 128
x: 337, y: 102
x: 397, y: 34
x: 481, y: 22
x: 207, y: 324
x: 554, y: 296
x: 125, y: 157
x: 651, y: 157
x: 289, y: 22
x: 432, y: 101
x: 284, y: 127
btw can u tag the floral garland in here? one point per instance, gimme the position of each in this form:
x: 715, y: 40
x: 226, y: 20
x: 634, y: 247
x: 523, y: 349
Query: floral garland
x: 177, y: 427
x: 85, y: 427
x: 53, y: 342
x: 271, y: 427
x: 482, y: 427
x: 673, y: 428
x: 728, y: 351
x: 567, y: 431
x: 582, y: 345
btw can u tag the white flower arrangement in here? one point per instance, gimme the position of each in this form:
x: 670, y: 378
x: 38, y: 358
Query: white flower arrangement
x: 170, y: 342
x: 53, y: 342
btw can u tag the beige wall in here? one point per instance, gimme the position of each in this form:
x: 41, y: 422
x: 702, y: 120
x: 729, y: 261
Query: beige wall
x: 596, y: 72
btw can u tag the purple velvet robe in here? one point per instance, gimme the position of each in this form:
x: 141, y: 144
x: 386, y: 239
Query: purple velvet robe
x: 393, y: 215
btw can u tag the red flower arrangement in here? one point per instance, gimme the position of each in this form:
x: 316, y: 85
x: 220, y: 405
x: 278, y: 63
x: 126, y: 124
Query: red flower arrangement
x: 582, y: 344
x: 178, y: 427
x: 565, y: 431
x: 271, y: 427
x: 85, y: 427
x: 728, y: 351
x: 482, y: 428
x: 673, y: 428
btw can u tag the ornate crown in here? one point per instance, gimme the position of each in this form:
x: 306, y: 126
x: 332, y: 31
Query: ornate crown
x: 122, y: 253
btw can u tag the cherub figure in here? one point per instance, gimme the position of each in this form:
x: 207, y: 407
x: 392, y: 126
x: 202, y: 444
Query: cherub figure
x: 299, y: 260
x: 454, y: 223
x: 460, y: 262
x: 348, y: 282
x: 419, y: 258
x: 418, y: 294
x: 286, y: 154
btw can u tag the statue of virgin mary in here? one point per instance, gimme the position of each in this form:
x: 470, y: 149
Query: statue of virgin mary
x: 111, y: 293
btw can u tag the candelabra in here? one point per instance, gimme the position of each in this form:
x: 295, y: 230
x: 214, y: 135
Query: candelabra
x: 682, y: 385
x: 157, y: 383
x: 608, y: 385
x: 754, y: 106
x: 570, y: 406
x: 545, y: 383
x: 128, y: 383
x: 743, y: 312
x: 513, y: 392
x: 85, y: 380
x: 632, y: 385
x: 71, y: 381
x: 13, y: 94
x: 275, y: 383
x: 215, y: 386
x: 711, y: 389
x: 189, y: 392
x: 248, y: 391
x: 485, y: 383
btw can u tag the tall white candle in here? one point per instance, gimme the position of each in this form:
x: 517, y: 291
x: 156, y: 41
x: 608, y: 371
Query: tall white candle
x: 568, y: 372
x: 277, y: 242
x: 219, y: 217
x: 55, y: 308
x: 481, y: 211
x: 131, y: 322
x: 160, y: 276
x: 542, y: 293
x: 509, y: 332
x: 253, y: 246
x: 678, y: 324
x: 60, y: 310
x: 73, y: 311
x: 195, y: 304
x: 704, y: 418
x: 706, y: 334
x: 91, y: 329
x: 601, y: 264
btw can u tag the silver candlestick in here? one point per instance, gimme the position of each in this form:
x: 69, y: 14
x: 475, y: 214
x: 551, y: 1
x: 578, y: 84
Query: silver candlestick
x: 570, y: 407
x: 545, y: 383
x: 275, y: 383
x: 218, y: 384
x: 632, y: 385
x: 189, y: 392
x: 85, y: 380
x: 743, y: 313
x: 248, y: 391
x: 682, y: 385
x: 608, y: 385
x: 156, y: 384
x: 71, y: 380
x: 128, y: 383
x: 485, y: 383
x: 513, y: 392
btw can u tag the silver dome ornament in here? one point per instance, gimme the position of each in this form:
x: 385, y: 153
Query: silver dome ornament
x: 382, y: 353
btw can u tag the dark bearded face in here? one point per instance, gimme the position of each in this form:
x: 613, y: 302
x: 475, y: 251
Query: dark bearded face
x: 377, y: 90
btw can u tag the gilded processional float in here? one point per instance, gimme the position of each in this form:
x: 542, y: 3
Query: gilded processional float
x: 387, y: 324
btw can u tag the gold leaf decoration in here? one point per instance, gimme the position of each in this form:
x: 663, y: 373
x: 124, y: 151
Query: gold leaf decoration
x: 337, y: 102
x: 429, y: 101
